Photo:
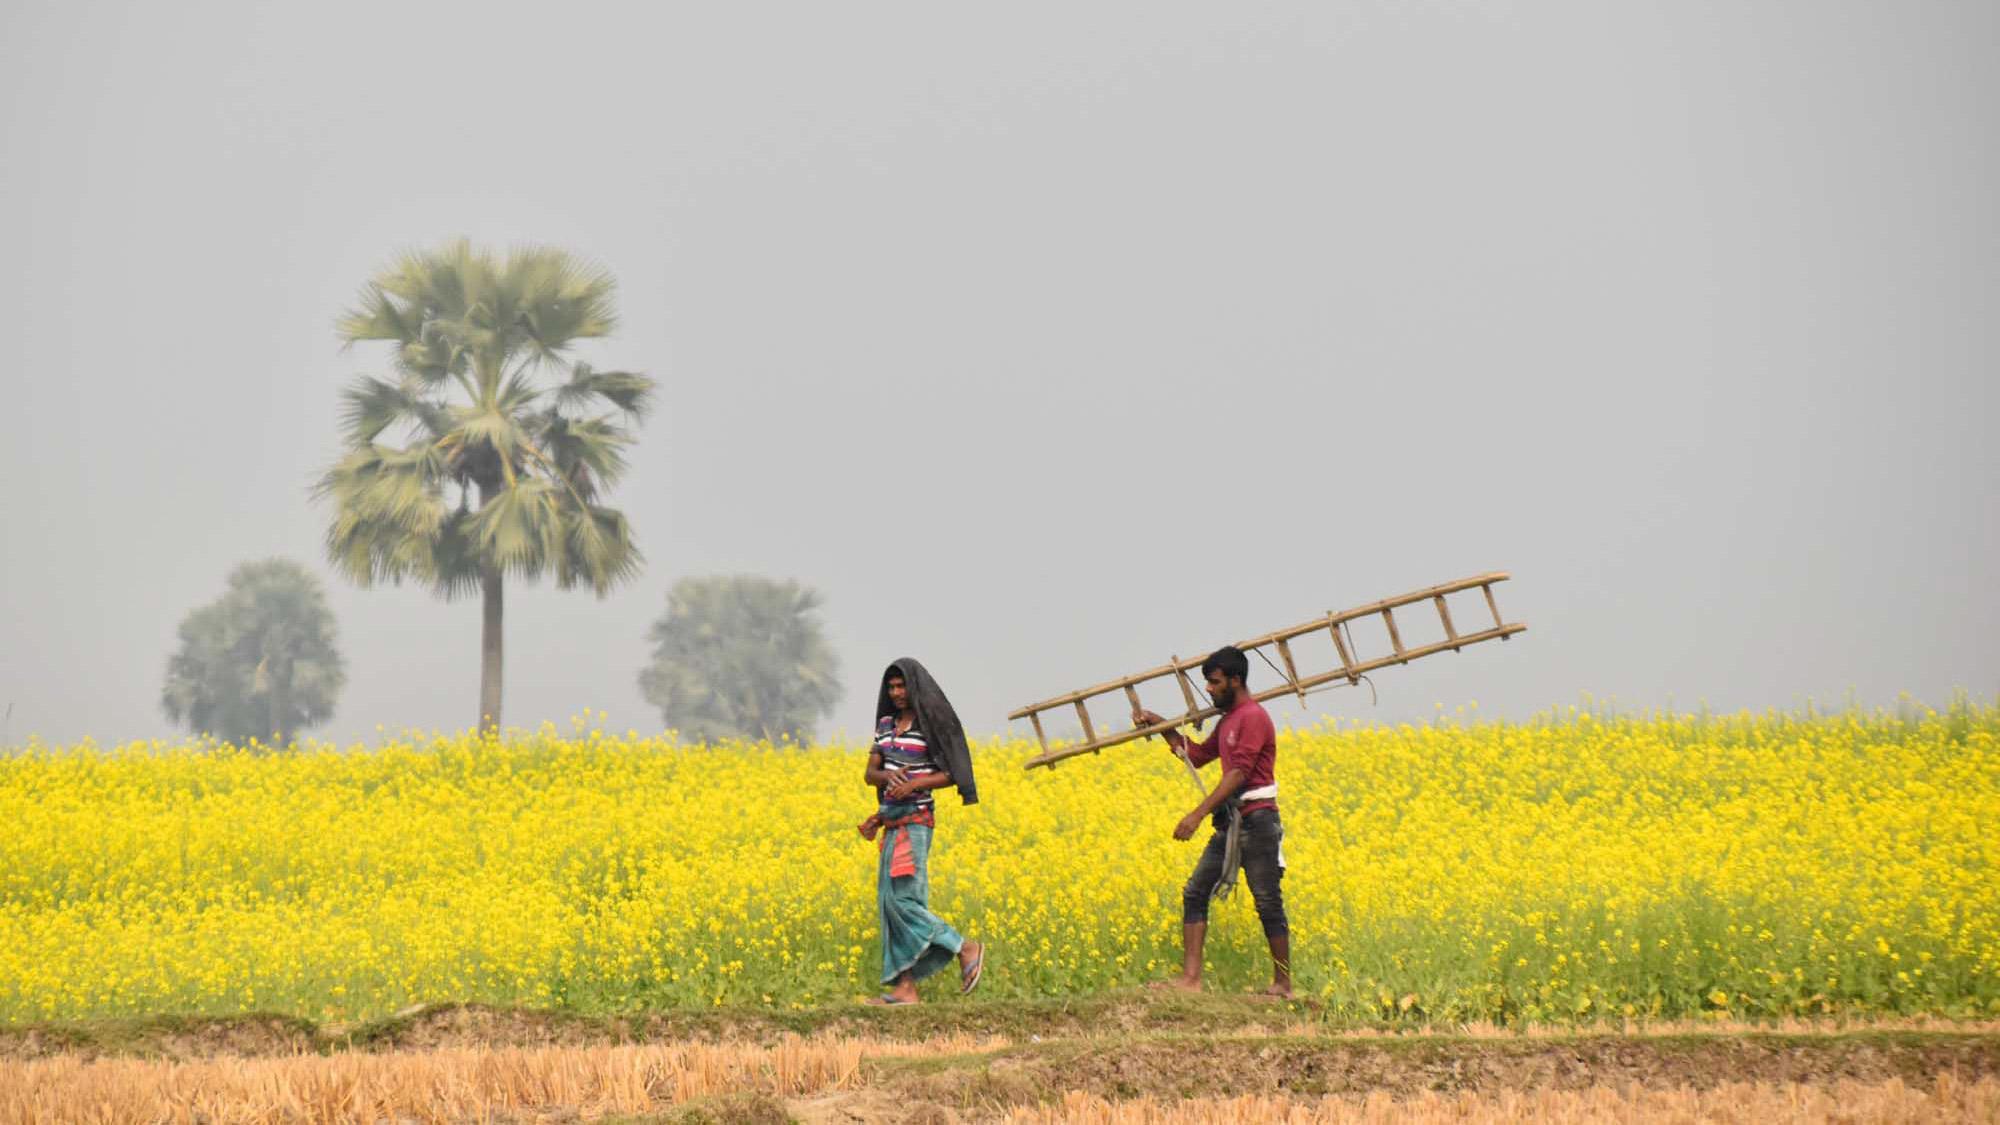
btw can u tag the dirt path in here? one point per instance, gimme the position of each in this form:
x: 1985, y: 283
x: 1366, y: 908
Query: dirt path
x: 1110, y: 1059
x: 1026, y: 1021
x: 1176, y: 1068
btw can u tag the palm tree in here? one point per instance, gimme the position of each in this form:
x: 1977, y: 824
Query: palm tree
x: 741, y: 657
x: 462, y: 470
x: 258, y: 662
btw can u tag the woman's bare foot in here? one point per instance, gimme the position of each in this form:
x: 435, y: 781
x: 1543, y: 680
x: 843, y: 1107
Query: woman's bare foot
x: 1278, y: 992
x: 1175, y: 984
x: 904, y: 991
x: 890, y: 999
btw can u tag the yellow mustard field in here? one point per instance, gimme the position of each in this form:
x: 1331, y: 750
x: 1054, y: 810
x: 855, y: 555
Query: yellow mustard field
x: 1575, y: 866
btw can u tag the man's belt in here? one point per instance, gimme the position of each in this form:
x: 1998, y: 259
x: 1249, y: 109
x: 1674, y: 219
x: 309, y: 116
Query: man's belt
x: 1232, y: 847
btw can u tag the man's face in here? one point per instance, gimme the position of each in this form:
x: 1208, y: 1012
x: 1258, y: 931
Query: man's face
x: 1222, y: 689
x: 899, y: 694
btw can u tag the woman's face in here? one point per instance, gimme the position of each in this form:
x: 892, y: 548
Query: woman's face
x: 899, y: 693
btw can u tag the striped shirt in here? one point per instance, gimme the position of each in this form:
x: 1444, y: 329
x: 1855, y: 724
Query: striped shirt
x: 908, y: 753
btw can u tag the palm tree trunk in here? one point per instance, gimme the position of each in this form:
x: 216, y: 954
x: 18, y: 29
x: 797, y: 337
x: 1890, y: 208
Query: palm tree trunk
x: 489, y: 648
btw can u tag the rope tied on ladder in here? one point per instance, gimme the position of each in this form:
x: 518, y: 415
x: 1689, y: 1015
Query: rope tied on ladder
x: 1373, y: 699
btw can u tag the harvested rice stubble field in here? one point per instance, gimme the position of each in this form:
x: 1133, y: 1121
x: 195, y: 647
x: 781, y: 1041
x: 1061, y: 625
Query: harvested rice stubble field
x: 1134, y: 1056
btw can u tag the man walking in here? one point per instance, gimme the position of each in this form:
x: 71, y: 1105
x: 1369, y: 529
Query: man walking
x: 1244, y: 805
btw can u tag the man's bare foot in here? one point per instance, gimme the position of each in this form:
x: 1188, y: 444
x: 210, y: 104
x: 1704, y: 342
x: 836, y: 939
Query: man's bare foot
x: 1175, y: 984
x: 1278, y: 992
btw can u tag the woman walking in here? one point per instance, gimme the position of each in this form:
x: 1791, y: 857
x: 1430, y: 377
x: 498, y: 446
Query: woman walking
x: 919, y: 747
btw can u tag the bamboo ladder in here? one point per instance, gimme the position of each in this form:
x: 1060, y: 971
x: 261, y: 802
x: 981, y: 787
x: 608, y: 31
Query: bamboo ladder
x: 1352, y: 666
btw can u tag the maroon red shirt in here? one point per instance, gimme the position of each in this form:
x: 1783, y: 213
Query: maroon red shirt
x: 1245, y: 740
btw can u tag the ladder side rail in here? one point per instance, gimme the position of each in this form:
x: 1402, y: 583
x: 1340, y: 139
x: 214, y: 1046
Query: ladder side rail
x: 1408, y: 655
x: 1483, y: 581
x: 1197, y: 713
x: 1106, y: 688
x: 1412, y: 598
x: 1309, y: 683
x: 1119, y: 738
x: 1128, y: 685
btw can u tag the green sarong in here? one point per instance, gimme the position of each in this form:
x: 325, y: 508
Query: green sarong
x: 914, y: 940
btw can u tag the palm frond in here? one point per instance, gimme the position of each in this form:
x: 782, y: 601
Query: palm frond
x: 558, y: 298
x: 598, y: 549
x: 377, y: 317
x: 630, y: 392
x: 456, y: 558
x: 373, y: 405
x: 477, y: 344
x: 432, y: 358
x: 586, y: 452
x: 440, y: 283
x: 389, y: 506
x: 519, y: 528
x: 518, y: 395
x: 490, y: 428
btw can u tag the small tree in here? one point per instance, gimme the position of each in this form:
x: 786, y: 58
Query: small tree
x: 741, y: 657
x: 258, y: 662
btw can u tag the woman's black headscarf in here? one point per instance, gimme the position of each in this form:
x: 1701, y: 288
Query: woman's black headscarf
x: 942, y: 732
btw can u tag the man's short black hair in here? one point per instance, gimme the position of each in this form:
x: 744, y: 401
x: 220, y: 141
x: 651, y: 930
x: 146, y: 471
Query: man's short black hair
x: 1228, y: 660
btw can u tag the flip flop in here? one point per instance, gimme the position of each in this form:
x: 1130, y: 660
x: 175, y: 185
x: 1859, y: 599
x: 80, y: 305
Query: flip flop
x: 968, y: 977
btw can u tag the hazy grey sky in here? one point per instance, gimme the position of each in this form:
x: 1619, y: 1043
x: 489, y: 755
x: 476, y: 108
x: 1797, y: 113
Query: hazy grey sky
x: 1046, y: 340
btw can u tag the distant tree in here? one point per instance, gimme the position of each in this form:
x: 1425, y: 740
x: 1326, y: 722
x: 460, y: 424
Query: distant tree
x: 461, y: 471
x: 258, y: 662
x: 741, y: 656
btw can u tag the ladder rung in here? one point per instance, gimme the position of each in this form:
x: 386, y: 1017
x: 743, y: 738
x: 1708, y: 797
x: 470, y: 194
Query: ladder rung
x: 1089, y: 732
x: 1187, y: 689
x: 1444, y: 614
x: 1395, y: 638
x: 1291, y: 668
x: 1340, y: 646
